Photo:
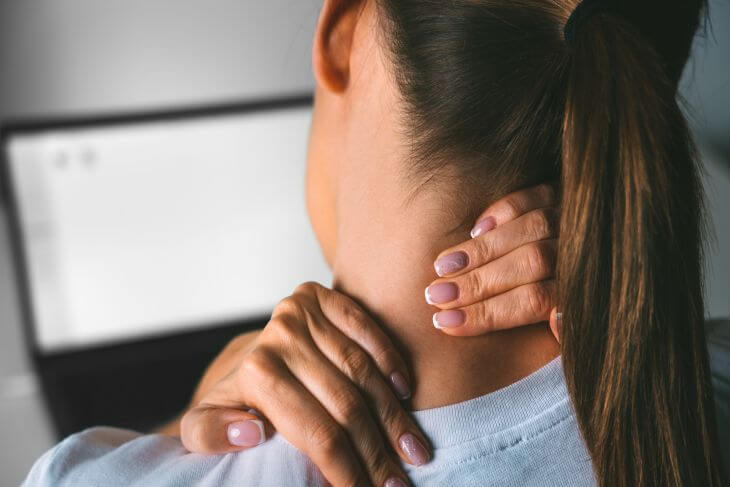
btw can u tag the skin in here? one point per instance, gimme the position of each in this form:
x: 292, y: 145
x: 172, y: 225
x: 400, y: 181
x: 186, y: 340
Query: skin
x: 319, y: 371
x: 381, y: 241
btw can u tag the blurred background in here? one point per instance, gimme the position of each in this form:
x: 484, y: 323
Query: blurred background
x: 225, y: 87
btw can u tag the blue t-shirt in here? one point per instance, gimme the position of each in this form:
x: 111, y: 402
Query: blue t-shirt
x: 523, y: 435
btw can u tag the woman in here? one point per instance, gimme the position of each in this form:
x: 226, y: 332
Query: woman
x: 419, y: 103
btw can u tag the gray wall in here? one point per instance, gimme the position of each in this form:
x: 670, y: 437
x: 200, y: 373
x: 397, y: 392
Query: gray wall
x: 706, y: 83
x: 706, y: 88
x: 80, y: 55
x: 75, y: 56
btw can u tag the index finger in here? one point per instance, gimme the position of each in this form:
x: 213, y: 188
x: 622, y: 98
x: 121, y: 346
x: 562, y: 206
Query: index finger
x: 513, y: 206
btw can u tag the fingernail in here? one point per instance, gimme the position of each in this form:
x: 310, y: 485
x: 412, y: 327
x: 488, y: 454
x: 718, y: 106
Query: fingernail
x: 451, y: 263
x: 400, y: 384
x: 246, y: 433
x: 395, y: 482
x: 559, y: 317
x: 413, y: 449
x: 483, y: 226
x: 451, y: 318
x: 443, y: 292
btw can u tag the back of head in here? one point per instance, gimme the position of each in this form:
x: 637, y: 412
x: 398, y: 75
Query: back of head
x: 494, y: 85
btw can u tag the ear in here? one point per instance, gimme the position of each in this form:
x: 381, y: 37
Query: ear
x: 333, y: 43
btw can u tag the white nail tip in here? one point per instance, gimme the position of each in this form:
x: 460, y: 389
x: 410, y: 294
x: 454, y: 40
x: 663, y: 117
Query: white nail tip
x: 435, y: 322
x: 260, y: 424
x: 428, y: 296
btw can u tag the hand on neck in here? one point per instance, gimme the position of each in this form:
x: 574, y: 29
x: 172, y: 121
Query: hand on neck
x: 386, y: 245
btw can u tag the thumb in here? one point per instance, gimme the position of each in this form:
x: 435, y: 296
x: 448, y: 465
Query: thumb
x: 215, y: 430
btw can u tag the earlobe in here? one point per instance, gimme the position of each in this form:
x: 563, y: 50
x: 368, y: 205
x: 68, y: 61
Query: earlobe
x: 333, y: 43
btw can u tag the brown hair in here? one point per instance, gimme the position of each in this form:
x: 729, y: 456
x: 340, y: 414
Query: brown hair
x: 493, y: 85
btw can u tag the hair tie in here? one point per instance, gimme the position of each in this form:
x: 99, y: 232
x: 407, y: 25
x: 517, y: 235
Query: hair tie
x: 584, y: 11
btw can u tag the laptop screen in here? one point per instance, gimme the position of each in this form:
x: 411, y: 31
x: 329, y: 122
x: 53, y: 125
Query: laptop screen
x: 156, y: 227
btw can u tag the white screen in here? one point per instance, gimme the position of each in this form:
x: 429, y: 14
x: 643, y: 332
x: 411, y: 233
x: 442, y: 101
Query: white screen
x: 158, y: 227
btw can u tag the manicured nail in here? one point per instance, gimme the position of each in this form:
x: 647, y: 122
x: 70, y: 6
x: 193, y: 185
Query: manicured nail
x: 451, y: 318
x: 451, y: 263
x: 559, y: 318
x: 442, y: 292
x: 395, y: 482
x: 483, y: 226
x: 246, y: 433
x: 400, y: 384
x: 413, y: 449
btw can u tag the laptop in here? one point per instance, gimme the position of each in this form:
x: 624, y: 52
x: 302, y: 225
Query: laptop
x: 144, y: 242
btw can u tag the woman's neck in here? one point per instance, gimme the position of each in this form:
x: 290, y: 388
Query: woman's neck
x: 384, y: 259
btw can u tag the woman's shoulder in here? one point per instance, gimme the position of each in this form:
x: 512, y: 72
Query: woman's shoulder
x: 113, y: 456
x: 100, y: 452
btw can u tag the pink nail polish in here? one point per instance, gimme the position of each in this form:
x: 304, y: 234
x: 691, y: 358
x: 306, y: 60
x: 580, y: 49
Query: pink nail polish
x: 451, y: 263
x: 400, y: 384
x: 451, y: 318
x: 395, y: 482
x: 483, y: 226
x: 442, y: 292
x: 413, y: 449
x: 246, y: 433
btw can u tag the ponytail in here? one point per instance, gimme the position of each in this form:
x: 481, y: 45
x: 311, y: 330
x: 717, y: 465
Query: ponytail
x: 493, y: 89
x: 630, y: 267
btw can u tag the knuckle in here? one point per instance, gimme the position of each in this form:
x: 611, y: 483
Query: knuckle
x: 379, y: 463
x: 552, y: 216
x: 286, y: 328
x: 485, y: 248
x: 541, y: 223
x: 474, y: 283
x: 309, y: 287
x: 258, y: 367
x: 356, y: 363
x: 327, y: 439
x: 512, y: 207
x: 486, y: 318
x: 289, y: 306
x: 355, y: 317
x: 350, y: 407
x: 393, y: 417
x: 536, y: 260
x: 539, y: 299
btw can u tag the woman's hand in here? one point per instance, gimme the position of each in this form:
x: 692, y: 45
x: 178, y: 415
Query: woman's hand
x: 287, y: 372
x: 503, y: 277
x: 326, y: 377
